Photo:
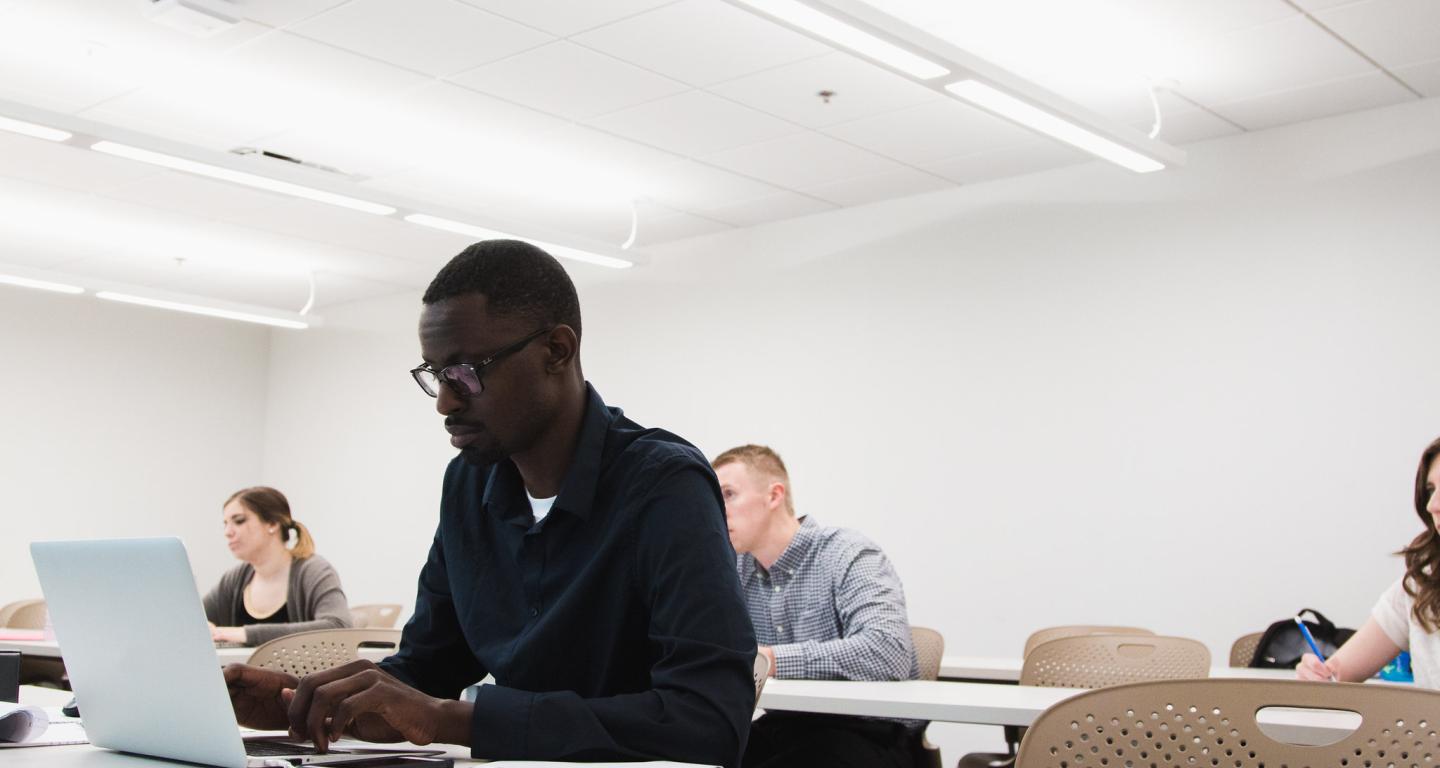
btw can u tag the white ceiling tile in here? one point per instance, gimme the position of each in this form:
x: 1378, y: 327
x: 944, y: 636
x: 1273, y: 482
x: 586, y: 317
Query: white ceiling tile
x: 678, y: 227
x: 1320, y: 5
x: 434, y: 124
x: 279, y: 13
x: 931, y: 131
x: 65, y: 165
x: 881, y: 186
x: 607, y: 222
x: 1184, y: 127
x: 1423, y: 77
x: 276, y: 82
x: 567, y: 80
x: 1040, y: 156
x: 67, y: 55
x: 1273, y: 57
x: 437, y: 37
x: 1316, y: 101
x: 692, y: 186
x: 694, y: 123
x: 701, y: 42
x: 786, y: 205
x: 803, y: 160
x: 567, y: 17
x: 791, y: 91
x: 1395, y: 33
x: 200, y: 197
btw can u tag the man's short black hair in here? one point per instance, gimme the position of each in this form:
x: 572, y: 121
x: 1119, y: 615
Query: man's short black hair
x: 516, y: 278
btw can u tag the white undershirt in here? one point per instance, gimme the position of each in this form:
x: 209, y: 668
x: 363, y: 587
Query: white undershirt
x: 540, y: 507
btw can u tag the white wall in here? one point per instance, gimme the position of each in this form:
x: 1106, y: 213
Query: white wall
x: 1190, y: 400
x: 122, y: 421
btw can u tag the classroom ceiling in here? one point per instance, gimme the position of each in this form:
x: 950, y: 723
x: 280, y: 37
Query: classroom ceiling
x: 560, y: 113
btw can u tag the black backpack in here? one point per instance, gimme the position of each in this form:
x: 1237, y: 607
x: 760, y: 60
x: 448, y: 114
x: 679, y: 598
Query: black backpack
x: 1282, y: 645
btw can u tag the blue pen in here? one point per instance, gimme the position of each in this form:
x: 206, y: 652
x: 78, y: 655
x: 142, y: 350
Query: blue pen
x: 1310, y: 639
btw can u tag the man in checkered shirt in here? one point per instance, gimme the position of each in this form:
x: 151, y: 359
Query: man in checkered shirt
x: 827, y: 605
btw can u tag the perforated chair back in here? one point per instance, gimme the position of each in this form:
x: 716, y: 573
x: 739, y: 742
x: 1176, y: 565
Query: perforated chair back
x: 305, y: 652
x: 762, y: 672
x: 1074, y: 630
x: 23, y: 614
x: 375, y: 615
x: 1096, y: 661
x: 1242, y: 651
x: 929, y: 649
x: 1208, y: 723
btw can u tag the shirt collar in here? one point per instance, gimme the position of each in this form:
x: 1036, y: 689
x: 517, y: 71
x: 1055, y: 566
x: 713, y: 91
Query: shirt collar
x: 505, y: 493
x: 791, y: 559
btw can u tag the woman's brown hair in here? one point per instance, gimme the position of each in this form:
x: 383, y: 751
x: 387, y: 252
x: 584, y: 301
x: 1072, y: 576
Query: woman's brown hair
x: 272, y: 507
x: 1422, y: 557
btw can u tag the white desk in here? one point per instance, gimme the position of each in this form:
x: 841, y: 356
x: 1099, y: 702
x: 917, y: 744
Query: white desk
x: 1001, y: 669
x: 989, y: 704
x: 51, y: 649
x: 86, y: 756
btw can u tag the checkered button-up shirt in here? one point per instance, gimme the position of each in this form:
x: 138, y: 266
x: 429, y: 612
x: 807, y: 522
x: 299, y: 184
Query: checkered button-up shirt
x: 832, y: 608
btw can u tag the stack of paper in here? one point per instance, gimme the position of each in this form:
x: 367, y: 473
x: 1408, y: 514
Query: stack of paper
x: 30, y: 727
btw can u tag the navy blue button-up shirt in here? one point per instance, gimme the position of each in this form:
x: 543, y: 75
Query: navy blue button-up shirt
x: 614, y: 627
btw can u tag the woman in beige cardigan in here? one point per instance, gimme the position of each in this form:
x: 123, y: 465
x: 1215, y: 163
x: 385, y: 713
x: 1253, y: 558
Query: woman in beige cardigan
x: 277, y: 589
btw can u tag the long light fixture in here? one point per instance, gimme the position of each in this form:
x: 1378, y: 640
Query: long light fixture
x: 560, y: 251
x: 31, y: 129
x: 861, y: 28
x: 848, y: 36
x: 198, y: 309
x: 1005, y: 105
x: 240, y: 177
x: 41, y: 285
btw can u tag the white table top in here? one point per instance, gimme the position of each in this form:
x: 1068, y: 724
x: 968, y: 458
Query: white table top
x: 86, y: 756
x: 1002, y: 669
x: 51, y: 649
x: 990, y: 704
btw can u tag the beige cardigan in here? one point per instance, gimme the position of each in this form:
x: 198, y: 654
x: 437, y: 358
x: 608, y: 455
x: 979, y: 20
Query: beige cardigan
x: 314, y: 599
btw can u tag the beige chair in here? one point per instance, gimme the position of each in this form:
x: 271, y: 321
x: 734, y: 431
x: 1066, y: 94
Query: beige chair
x: 1242, y: 651
x: 762, y: 673
x: 929, y: 649
x: 1214, y: 720
x: 305, y: 652
x: 375, y: 615
x: 23, y: 614
x: 1097, y: 661
x: 1072, y: 630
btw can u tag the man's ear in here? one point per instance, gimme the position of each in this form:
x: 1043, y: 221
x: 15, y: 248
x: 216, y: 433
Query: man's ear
x: 562, y: 348
x: 778, y: 492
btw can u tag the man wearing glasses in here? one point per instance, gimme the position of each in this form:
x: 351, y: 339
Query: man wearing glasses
x: 581, y: 559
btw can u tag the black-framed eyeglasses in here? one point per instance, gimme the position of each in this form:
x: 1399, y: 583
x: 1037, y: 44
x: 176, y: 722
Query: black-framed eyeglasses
x: 464, y: 379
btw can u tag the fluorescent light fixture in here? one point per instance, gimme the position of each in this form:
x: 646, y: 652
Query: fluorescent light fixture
x: 198, y: 309
x: 561, y: 251
x: 31, y: 129
x: 1026, y: 114
x: 43, y: 285
x: 240, y: 177
x: 842, y: 34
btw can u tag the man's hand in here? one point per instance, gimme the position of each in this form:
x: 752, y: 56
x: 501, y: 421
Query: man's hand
x: 769, y: 654
x: 255, y: 694
x: 362, y: 700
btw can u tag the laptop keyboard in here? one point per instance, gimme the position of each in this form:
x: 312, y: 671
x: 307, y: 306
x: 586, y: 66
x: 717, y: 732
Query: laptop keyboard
x: 259, y: 748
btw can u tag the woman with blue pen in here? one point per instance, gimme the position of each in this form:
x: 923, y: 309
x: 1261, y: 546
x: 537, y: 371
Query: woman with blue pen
x: 1407, y: 615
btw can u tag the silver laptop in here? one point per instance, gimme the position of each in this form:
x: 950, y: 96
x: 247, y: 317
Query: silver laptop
x: 136, y: 645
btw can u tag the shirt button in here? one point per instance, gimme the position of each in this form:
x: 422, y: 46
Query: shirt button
x: 777, y: 587
x: 779, y: 628
x: 534, y: 611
